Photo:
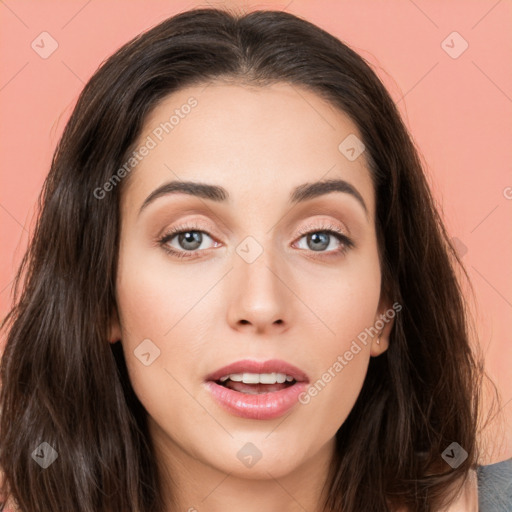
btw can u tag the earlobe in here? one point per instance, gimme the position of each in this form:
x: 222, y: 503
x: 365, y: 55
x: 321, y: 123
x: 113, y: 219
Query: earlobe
x: 384, y: 321
x: 379, y: 345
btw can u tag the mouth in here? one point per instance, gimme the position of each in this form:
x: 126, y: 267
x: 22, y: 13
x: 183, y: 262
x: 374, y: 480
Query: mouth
x: 257, y: 390
x: 256, y: 384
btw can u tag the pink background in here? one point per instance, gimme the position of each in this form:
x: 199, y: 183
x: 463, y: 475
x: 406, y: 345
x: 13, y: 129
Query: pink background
x: 459, y: 111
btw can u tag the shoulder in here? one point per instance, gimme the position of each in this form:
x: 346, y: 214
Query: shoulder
x: 495, y: 486
x: 487, y: 489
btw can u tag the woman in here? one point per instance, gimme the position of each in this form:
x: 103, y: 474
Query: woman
x: 239, y: 294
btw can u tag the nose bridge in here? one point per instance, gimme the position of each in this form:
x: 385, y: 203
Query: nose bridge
x: 256, y: 264
x: 260, y: 296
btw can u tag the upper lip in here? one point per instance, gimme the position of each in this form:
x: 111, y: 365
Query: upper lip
x: 251, y: 366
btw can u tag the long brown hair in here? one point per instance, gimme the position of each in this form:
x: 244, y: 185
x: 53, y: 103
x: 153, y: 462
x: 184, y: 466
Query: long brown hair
x: 64, y: 384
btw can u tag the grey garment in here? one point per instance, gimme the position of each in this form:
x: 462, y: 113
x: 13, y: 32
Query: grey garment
x: 495, y: 487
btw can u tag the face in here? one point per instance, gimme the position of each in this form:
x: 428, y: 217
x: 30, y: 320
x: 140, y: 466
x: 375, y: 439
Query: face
x: 254, y: 269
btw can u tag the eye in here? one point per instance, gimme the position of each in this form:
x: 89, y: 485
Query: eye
x: 321, y: 238
x: 187, y: 241
x: 184, y: 241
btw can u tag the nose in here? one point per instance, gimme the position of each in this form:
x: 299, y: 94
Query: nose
x: 260, y: 298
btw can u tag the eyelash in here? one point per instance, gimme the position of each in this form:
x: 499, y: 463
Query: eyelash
x: 346, y: 243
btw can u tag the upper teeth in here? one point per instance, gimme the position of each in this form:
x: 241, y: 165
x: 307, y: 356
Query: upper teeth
x: 258, y: 378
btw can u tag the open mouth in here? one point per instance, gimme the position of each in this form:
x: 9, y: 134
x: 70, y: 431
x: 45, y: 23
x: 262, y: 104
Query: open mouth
x: 247, y: 385
x: 260, y: 390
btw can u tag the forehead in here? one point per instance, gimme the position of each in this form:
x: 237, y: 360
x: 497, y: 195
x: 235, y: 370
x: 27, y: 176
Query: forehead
x: 257, y: 142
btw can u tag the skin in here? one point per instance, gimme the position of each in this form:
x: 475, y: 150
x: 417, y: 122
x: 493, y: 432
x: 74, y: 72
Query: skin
x: 208, y: 311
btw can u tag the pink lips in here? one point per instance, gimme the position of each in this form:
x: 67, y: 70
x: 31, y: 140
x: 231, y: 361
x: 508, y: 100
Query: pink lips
x: 262, y: 406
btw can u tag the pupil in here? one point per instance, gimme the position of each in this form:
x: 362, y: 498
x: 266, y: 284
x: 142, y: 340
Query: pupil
x: 190, y: 237
x: 322, y: 238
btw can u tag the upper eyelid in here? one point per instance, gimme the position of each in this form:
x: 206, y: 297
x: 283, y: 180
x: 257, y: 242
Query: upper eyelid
x: 318, y: 225
x: 323, y: 226
x: 326, y: 218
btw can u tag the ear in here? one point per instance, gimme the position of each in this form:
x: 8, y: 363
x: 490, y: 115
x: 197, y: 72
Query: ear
x: 384, y: 321
x: 114, y: 334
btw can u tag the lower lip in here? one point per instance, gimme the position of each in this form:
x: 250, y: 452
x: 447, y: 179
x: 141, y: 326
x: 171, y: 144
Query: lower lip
x: 265, y: 406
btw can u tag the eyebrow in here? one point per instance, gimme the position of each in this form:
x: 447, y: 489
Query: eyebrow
x: 219, y: 194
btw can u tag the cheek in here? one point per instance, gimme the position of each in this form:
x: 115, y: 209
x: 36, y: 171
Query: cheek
x: 346, y: 301
x: 342, y: 360
x: 158, y: 308
x: 344, y: 298
x: 154, y: 296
